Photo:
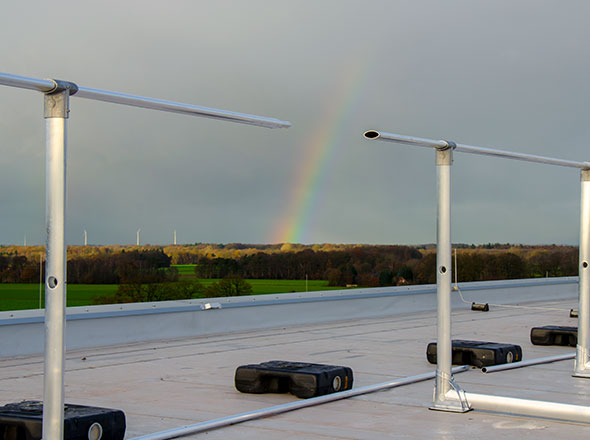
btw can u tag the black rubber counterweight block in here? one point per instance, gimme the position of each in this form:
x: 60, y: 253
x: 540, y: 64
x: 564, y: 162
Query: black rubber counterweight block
x: 554, y: 335
x: 478, y: 353
x: 301, y: 379
x: 24, y: 421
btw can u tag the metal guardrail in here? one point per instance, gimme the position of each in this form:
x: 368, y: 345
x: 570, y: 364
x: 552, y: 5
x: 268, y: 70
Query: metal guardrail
x: 52, y: 86
x: 484, y: 151
x: 56, y: 112
x: 448, y: 396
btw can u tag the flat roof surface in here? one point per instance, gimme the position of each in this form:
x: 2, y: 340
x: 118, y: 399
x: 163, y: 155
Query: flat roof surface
x: 171, y: 383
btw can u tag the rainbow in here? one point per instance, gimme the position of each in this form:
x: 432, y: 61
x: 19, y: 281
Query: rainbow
x: 319, y: 147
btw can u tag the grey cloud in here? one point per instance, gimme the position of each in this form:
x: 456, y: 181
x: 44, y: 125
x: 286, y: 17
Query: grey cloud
x: 506, y: 74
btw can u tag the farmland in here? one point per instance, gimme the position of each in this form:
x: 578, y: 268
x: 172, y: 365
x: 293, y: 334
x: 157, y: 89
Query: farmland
x: 26, y: 296
x: 260, y: 287
x: 95, y: 272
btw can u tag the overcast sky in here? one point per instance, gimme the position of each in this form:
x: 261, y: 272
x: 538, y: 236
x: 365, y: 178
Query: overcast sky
x: 507, y: 74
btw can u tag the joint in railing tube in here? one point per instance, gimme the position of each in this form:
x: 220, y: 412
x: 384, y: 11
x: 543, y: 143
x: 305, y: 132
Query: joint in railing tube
x: 450, y: 146
x: 62, y: 86
x: 57, y: 100
x: 444, y: 155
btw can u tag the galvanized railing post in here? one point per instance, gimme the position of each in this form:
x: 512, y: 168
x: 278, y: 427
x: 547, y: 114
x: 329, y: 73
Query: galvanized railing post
x: 56, y: 114
x: 447, y: 395
x: 582, y: 364
x: 444, y: 380
x: 57, y: 95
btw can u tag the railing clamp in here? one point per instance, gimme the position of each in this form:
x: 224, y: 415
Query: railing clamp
x: 444, y: 155
x: 450, y: 146
x: 57, y: 102
x: 61, y: 86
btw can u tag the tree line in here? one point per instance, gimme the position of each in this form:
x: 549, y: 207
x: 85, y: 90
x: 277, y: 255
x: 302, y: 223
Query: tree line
x: 97, y: 269
x: 480, y: 266
x: 142, y: 276
x: 341, y: 265
x: 360, y: 266
x: 376, y: 266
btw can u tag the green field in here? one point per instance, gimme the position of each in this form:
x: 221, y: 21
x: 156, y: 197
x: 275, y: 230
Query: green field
x: 26, y: 296
x: 261, y: 287
x: 185, y: 270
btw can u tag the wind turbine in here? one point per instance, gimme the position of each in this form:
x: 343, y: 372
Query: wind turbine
x: 85, y: 238
x: 138, y: 231
x: 175, y: 236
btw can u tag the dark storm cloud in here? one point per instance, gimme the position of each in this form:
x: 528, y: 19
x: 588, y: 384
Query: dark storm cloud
x: 506, y: 74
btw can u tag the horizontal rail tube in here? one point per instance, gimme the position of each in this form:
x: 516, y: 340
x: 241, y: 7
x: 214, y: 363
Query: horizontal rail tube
x: 23, y: 82
x: 521, y: 364
x: 279, y: 409
x: 48, y: 85
x: 176, y: 107
x: 535, y: 408
x: 422, y: 142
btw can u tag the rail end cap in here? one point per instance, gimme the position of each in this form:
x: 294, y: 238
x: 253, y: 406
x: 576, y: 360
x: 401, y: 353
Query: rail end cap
x: 371, y: 134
